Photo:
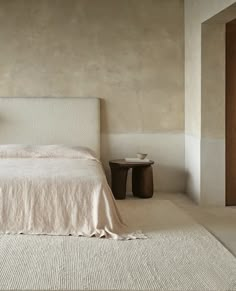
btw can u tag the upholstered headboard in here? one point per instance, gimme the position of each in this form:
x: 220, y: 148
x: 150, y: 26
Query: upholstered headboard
x: 50, y: 120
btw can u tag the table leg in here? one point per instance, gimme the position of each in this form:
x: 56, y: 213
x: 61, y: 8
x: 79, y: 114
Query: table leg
x: 142, y: 182
x: 118, y: 182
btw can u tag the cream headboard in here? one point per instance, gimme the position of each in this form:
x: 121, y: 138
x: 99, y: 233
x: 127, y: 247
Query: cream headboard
x: 50, y: 120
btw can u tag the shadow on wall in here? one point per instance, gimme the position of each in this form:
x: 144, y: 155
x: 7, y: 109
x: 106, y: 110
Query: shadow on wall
x: 166, y: 179
x: 166, y: 149
x: 169, y: 179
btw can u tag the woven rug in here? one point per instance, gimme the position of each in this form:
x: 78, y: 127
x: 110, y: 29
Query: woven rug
x: 179, y: 254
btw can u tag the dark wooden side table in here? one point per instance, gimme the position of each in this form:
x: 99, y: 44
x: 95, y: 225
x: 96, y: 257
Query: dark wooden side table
x: 142, y: 178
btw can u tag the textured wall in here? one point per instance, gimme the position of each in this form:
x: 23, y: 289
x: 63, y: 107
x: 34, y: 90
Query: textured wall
x: 196, y: 12
x: 128, y: 52
x: 213, y: 74
x: 213, y: 81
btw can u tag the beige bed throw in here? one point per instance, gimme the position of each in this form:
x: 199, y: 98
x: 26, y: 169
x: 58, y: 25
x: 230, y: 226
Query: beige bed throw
x: 57, y: 190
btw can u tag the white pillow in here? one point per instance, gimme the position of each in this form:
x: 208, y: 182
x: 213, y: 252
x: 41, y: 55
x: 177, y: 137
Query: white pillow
x: 46, y: 151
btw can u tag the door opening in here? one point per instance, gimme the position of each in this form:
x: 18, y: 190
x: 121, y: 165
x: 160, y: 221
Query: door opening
x: 231, y: 113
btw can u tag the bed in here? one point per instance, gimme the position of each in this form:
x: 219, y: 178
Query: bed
x: 51, y: 180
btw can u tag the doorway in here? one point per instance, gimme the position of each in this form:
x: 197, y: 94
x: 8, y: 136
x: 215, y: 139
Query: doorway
x: 218, y: 111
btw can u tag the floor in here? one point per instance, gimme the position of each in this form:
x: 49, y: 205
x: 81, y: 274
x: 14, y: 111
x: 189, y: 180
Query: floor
x: 220, y: 221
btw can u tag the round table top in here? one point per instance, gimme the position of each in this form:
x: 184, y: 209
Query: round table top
x: 124, y: 163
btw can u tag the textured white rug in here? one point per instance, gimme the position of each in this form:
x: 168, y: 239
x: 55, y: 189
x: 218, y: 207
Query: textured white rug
x: 178, y: 255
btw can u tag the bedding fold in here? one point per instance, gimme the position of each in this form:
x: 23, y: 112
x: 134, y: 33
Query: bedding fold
x: 58, y: 196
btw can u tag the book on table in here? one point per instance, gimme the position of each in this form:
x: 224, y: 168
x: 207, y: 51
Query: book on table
x: 137, y: 160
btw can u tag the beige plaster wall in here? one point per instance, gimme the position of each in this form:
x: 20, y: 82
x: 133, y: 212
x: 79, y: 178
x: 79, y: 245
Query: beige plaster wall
x: 213, y: 74
x: 213, y: 81
x: 130, y: 53
x: 196, y: 12
x: 127, y: 52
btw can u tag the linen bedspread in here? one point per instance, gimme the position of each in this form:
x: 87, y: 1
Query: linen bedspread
x: 57, y: 191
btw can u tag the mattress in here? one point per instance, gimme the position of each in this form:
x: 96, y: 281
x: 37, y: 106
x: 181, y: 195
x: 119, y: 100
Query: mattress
x: 56, y: 190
